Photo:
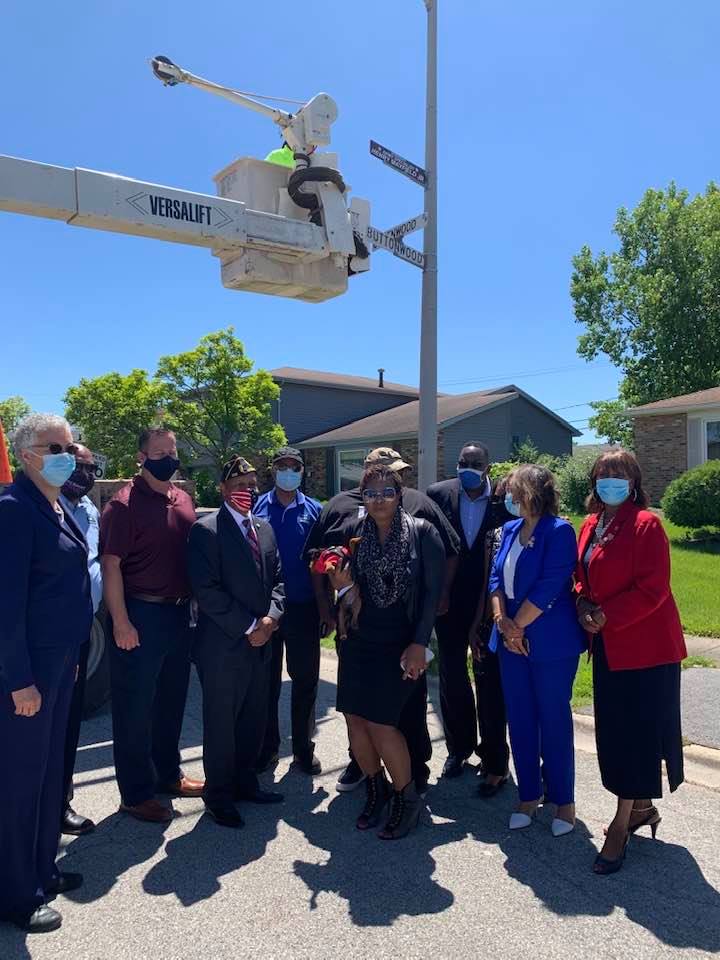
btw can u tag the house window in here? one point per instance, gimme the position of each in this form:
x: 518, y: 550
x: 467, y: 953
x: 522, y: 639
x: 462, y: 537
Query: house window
x: 350, y: 468
x: 712, y: 439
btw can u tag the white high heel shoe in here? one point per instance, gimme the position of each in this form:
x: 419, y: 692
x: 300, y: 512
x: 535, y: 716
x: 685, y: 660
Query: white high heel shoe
x: 561, y: 827
x: 519, y: 821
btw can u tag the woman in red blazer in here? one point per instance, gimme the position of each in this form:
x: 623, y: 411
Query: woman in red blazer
x: 626, y: 605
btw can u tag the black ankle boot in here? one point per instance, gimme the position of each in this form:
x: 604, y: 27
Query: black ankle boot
x: 378, y: 794
x: 405, y: 808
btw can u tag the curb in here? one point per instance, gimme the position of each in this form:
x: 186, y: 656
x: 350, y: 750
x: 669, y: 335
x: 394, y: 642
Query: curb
x: 702, y: 764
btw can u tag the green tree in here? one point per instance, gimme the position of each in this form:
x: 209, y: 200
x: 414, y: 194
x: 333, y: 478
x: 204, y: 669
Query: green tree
x: 110, y: 411
x: 216, y: 404
x: 611, y: 421
x: 11, y: 411
x: 653, y: 306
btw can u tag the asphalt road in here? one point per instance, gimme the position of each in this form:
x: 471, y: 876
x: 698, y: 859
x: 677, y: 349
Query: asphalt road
x: 701, y: 705
x: 300, y: 882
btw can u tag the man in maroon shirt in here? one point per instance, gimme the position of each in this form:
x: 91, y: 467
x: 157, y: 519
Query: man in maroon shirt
x: 143, y: 540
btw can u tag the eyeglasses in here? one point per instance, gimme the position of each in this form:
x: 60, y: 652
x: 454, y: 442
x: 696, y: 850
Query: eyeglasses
x: 56, y: 448
x: 86, y: 467
x: 389, y: 493
x: 472, y: 465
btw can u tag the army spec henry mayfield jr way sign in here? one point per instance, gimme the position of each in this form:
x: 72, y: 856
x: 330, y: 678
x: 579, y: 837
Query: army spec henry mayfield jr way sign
x: 411, y: 170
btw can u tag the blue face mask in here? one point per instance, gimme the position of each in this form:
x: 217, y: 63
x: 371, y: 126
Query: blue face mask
x: 511, y: 506
x: 470, y: 478
x: 288, y: 480
x: 613, y: 490
x: 57, y: 468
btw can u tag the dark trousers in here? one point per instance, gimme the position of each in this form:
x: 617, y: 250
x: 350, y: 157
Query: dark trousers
x: 413, y: 726
x: 31, y: 758
x: 470, y: 726
x: 72, y: 737
x: 299, y: 636
x: 235, y: 698
x: 149, y: 690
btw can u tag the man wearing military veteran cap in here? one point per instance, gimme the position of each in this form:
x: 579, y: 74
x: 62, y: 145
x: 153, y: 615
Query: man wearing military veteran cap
x: 292, y: 516
x: 234, y: 568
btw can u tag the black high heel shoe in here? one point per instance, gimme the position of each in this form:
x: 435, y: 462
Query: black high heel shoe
x: 604, y: 867
x: 652, y: 820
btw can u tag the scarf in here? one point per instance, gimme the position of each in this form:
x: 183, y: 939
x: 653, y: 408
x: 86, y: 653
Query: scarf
x: 385, y: 569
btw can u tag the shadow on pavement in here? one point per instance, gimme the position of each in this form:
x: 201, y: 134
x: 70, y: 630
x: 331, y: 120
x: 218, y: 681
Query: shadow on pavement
x: 380, y: 880
x: 118, y: 843
x: 661, y: 886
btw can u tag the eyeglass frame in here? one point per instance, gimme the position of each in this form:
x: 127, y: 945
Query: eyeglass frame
x: 56, y: 448
x: 371, y: 495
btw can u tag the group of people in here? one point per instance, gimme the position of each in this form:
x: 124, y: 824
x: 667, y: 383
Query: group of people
x: 486, y: 567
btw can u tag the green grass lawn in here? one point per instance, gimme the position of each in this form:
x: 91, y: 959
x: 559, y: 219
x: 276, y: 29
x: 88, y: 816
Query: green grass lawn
x: 695, y: 580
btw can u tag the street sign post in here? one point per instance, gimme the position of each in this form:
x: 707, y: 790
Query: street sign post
x: 409, y: 169
x: 385, y: 241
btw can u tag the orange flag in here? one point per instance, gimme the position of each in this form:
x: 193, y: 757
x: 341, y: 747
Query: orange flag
x: 5, y: 472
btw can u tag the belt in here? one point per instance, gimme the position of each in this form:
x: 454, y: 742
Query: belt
x: 149, y: 598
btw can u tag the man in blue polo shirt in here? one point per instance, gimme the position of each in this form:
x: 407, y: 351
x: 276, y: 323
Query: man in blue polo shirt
x: 292, y: 515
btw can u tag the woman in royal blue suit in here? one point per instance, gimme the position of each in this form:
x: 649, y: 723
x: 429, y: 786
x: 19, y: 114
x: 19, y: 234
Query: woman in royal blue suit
x: 539, y: 642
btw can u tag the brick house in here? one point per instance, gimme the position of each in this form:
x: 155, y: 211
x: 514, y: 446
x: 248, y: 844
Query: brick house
x: 673, y: 435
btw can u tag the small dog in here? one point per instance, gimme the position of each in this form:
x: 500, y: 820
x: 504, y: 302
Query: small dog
x: 334, y: 560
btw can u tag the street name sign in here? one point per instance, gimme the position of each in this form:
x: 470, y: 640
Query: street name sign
x: 385, y: 241
x: 409, y: 226
x: 410, y: 170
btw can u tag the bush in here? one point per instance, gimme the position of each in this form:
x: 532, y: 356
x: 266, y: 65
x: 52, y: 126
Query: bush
x: 499, y: 470
x: 693, y: 500
x: 573, y: 480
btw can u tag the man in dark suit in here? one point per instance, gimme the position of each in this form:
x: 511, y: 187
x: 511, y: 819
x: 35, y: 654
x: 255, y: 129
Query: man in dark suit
x: 469, y: 504
x: 234, y: 568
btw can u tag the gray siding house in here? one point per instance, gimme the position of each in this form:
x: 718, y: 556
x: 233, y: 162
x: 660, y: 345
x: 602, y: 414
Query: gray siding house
x: 499, y: 418
x: 312, y: 402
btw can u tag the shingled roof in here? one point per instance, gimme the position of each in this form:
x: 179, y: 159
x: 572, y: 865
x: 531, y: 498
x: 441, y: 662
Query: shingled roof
x: 688, y: 401
x: 403, y: 421
x: 341, y: 380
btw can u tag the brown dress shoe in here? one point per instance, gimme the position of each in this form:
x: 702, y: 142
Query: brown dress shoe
x: 184, y: 787
x: 151, y: 810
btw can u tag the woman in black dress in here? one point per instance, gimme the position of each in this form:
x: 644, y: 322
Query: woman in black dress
x: 396, y: 572
x: 626, y: 604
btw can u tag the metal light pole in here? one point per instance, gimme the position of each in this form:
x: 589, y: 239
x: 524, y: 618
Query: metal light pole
x: 427, y: 435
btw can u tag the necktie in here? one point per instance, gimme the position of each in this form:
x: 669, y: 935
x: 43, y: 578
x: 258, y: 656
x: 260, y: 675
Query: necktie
x: 252, y: 541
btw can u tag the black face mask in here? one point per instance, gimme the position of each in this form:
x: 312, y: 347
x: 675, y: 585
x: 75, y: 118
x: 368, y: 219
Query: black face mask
x: 163, y: 468
x: 79, y: 484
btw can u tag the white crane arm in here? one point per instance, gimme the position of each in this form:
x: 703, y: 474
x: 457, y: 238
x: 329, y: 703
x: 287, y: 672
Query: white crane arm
x: 106, y: 201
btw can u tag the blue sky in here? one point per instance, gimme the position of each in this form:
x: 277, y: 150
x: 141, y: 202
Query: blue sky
x: 551, y: 116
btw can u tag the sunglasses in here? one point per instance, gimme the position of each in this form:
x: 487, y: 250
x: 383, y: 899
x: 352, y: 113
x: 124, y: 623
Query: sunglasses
x: 56, y: 448
x: 389, y: 493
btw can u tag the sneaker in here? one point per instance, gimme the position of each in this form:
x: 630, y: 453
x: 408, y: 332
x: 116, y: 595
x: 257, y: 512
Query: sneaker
x: 351, y: 778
